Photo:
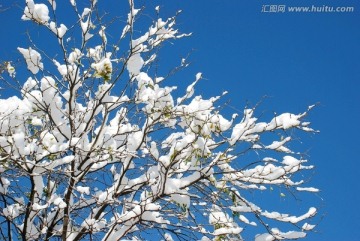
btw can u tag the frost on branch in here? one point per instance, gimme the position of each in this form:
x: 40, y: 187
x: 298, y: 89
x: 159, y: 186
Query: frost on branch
x: 98, y: 146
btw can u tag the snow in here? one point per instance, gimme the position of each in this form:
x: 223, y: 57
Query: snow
x: 36, y: 12
x: 293, y: 235
x: 38, y: 207
x: 60, y: 203
x: 138, y: 46
x: 12, y: 111
x: 308, y: 189
x: 104, y: 196
x: 48, y: 88
x: 102, y: 34
x: 222, y: 231
x: 86, y: 26
x: 182, y: 200
x: 218, y: 216
x: 308, y: 227
x: 130, y: 19
x: 60, y: 31
x: 83, y: 190
x: 33, y: 59
x: 39, y: 185
x: 63, y: 69
x: 241, y: 129
x: 285, y: 121
x: 134, y: 64
x: 264, y: 237
x: 291, y: 161
x: 291, y: 219
x: 85, y: 12
x: 279, y: 145
x: 19, y: 141
x: 243, y: 209
x: 95, y: 53
x: 35, y: 121
x: 12, y: 211
x: 198, y: 76
x: 154, y: 151
x: 245, y: 220
x: 75, y: 56
x: 4, y: 184
x: 277, y: 235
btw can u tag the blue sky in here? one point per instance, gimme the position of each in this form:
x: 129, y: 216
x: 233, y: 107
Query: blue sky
x: 297, y: 59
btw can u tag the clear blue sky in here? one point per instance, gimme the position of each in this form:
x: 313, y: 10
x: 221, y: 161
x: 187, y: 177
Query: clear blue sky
x: 297, y: 59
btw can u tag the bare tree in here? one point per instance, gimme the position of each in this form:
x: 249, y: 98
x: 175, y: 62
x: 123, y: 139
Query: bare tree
x: 99, y: 148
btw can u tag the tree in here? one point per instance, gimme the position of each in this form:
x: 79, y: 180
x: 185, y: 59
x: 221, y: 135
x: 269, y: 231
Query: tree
x: 97, y: 147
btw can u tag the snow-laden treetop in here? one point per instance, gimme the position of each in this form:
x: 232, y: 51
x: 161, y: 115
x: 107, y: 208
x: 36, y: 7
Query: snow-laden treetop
x: 97, y: 146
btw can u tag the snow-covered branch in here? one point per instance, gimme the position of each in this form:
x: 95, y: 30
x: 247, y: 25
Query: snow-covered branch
x: 94, y: 145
